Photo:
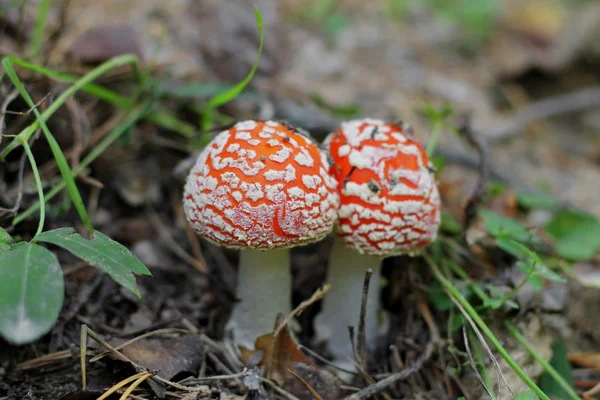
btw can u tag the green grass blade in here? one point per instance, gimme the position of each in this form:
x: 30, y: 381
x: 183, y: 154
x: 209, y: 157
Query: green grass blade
x: 484, y: 328
x: 59, y: 156
x: 168, y: 121
x: 78, y: 85
x: 133, y: 116
x: 40, y: 189
x: 545, y: 364
x: 95, y: 90
x: 39, y: 29
x: 162, y: 118
x: 226, y: 96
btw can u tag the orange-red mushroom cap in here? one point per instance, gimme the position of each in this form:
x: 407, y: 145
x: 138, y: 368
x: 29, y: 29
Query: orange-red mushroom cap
x: 261, y: 185
x: 389, y: 201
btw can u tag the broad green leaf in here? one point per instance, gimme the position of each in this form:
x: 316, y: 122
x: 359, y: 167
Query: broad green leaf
x: 500, y: 226
x: 561, y: 364
x: 539, y: 201
x: 577, y: 235
x: 102, y: 252
x: 31, y: 292
x: 528, y: 395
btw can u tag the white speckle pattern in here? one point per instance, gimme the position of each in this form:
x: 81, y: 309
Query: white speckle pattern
x: 389, y: 202
x: 261, y: 185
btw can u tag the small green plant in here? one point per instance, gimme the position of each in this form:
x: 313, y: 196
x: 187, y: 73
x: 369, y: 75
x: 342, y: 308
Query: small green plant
x: 438, y: 120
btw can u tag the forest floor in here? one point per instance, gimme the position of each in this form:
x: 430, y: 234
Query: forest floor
x: 526, y: 77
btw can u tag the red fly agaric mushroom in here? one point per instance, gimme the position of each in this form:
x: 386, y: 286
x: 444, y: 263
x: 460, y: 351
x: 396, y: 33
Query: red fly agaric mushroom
x: 389, y: 205
x: 261, y: 187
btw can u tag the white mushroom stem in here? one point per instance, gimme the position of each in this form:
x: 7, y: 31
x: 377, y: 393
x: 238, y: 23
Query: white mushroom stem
x: 264, y: 290
x: 341, y: 306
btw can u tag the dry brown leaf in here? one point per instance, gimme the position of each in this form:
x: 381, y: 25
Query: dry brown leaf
x: 280, y: 354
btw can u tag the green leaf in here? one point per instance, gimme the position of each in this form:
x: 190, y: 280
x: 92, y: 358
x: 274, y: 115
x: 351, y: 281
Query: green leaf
x: 536, y: 201
x: 496, y: 302
x: 5, y: 241
x: 500, y: 226
x: 102, y: 252
x: 31, y: 292
x: 528, y: 395
x: 560, y: 363
x: 226, y: 96
x: 577, y: 234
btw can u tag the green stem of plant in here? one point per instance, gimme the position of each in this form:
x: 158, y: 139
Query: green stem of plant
x: 39, y: 29
x: 433, y: 139
x: 131, y: 118
x: 545, y: 364
x: 463, y: 275
x: 482, y: 325
x: 40, y: 189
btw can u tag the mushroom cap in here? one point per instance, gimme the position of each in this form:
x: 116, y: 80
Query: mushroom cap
x: 389, y: 201
x: 261, y: 185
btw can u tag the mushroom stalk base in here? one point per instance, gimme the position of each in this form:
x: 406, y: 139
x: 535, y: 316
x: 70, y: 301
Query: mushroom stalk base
x: 341, y: 306
x: 264, y: 290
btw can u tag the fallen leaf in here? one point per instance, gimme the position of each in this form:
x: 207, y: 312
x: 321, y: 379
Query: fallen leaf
x: 278, y: 354
x: 168, y: 356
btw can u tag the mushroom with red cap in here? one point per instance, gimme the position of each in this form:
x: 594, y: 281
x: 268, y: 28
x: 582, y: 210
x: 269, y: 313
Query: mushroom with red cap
x: 389, y: 205
x: 261, y: 187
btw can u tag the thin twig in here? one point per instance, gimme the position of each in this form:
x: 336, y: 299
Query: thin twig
x: 478, y: 142
x: 306, y: 385
x: 381, y: 385
x: 390, y: 380
x: 318, y: 295
x: 279, y: 390
x: 324, y: 360
x: 483, y: 342
x: 361, y: 339
x: 7, y: 100
x: 473, y: 363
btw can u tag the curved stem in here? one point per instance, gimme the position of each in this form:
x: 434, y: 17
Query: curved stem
x: 38, y: 183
